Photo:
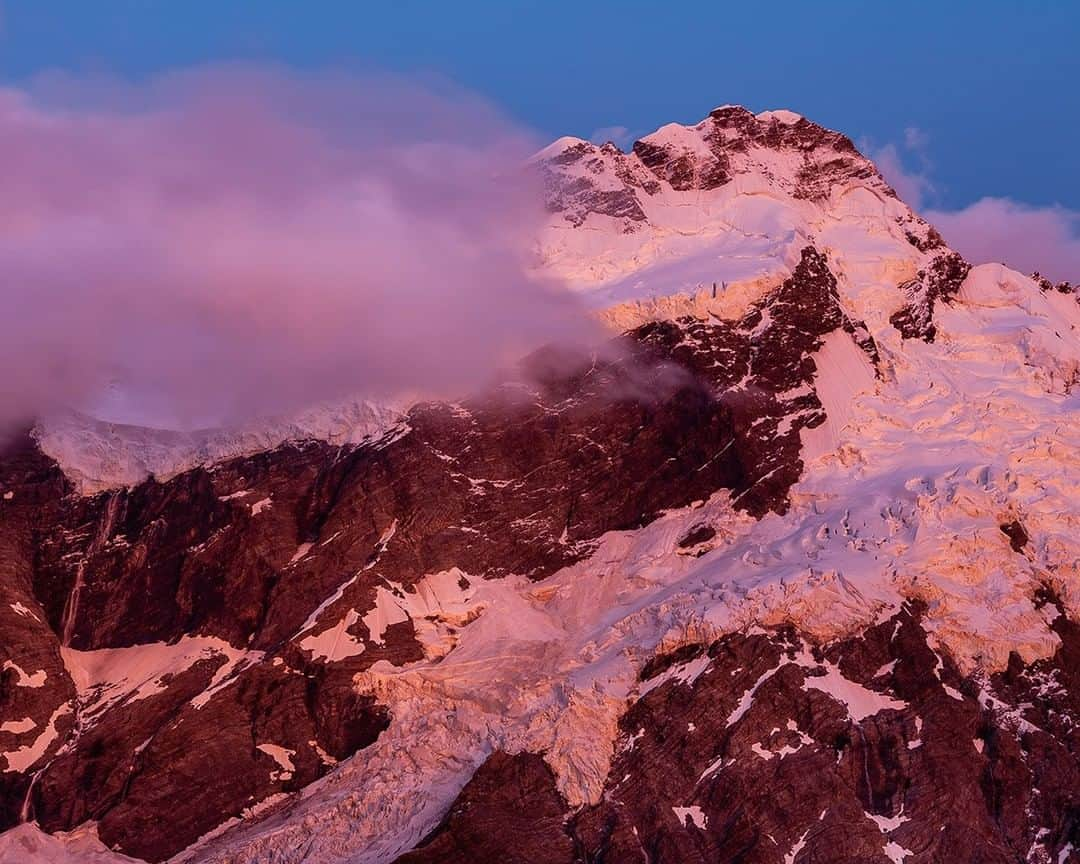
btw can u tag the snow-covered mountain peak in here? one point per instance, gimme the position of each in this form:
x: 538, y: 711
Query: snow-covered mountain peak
x: 729, y: 199
x: 781, y: 115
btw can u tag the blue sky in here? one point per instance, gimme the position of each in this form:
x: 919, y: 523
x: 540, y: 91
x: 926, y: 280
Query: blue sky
x: 991, y: 86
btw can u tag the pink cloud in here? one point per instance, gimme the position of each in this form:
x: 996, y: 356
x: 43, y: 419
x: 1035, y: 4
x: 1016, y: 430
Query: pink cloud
x: 239, y: 241
x: 1021, y: 236
x: 912, y: 186
x: 620, y: 136
x: 1025, y: 238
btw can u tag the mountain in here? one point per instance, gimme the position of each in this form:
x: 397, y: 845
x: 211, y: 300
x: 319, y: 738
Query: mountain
x: 787, y: 572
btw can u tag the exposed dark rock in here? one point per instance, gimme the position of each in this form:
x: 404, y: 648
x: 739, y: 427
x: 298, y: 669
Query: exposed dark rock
x: 1046, y: 285
x: 34, y: 684
x: 662, y: 662
x: 940, y: 281
x: 1018, y: 537
x: 682, y: 171
x: 696, y: 535
x: 825, y: 159
x: 510, y: 812
x: 829, y: 158
x: 576, y: 195
x: 929, y: 240
x: 860, y: 750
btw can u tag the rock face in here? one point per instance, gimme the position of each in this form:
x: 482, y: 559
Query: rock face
x: 1046, y: 285
x: 509, y: 811
x: 802, y: 158
x: 762, y: 747
x: 731, y: 133
x: 575, y: 198
x: 36, y: 692
x: 939, y: 282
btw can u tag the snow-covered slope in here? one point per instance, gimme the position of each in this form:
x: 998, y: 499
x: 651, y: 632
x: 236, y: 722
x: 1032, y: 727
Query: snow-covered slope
x: 27, y: 843
x: 886, y: 616
x: 97, y: 455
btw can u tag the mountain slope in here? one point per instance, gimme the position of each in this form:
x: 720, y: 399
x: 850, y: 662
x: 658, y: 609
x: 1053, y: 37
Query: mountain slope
x: 811, y: 533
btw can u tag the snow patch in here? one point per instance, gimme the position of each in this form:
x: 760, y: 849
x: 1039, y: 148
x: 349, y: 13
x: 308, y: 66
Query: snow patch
x: 25, y: 757
x: 796, y: 848
x: 108, y: 676
x: 301, y: 552
x: 781, y: 115
x: 23, y: 611
x: 684, y: 673
x: 747, y: 699
x: 859, y: 701
x: 336, y: 643
x: 886, y: 825
x: 283, y: 757
x: 18, y: 727
x: 37, y: 679
x: 694, y: 814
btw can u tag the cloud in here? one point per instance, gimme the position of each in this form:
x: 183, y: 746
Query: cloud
x: 912, y: 185
x: 916, y: 140
x: 1025, y: 238
x: 235, y: 241
x: 618, y: 135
